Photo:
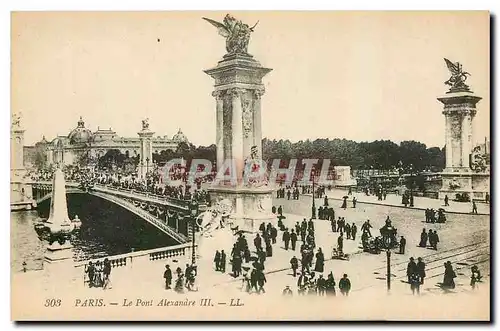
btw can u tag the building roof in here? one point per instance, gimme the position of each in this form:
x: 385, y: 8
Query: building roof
x: 180, y: 137
x: 80, y: 134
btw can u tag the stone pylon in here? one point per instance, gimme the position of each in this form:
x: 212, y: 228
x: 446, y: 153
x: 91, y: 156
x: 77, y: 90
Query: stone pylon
x: 238, y: 90
x: 58, y: 205
x: 59, y: 223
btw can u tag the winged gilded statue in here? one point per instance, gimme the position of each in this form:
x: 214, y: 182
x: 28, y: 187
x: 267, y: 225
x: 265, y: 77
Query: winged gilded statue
x: 145, y: 124
x: 236, y: 32
x: 458, y: 76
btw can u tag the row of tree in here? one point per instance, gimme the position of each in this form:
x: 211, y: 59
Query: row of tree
x: 379, y: 154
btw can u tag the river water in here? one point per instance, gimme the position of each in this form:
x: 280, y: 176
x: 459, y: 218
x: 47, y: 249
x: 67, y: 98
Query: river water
x: 106, y: 230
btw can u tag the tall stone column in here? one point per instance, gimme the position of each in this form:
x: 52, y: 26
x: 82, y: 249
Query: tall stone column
x: 146, y: 150
x: 237, y: 133
x: 219, y: 140
x: 238, y: 75
x: 449, y: 148
x: 257, y: 122
x: 464, y: 143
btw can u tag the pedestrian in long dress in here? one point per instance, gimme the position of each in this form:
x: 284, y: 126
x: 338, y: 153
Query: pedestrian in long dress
x: 411, y: 269
x: 320, y: 261
x: 167, y: 275
x: 449, y: 275
x: 423, y: 239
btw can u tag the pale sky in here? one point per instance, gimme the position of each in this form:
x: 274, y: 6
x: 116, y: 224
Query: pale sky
x: 357, y: 75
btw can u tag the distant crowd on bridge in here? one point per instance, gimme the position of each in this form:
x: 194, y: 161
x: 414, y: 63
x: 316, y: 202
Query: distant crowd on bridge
x: 115, y: 179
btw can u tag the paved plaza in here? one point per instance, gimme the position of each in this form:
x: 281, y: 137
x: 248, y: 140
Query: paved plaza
x: 419, y: 202
x: 464, y: 240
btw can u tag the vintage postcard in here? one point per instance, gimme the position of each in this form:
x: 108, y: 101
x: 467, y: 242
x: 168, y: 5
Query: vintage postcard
x: 250, y: 166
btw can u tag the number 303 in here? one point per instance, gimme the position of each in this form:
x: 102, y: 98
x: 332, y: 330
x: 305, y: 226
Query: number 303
x: 52, y: 302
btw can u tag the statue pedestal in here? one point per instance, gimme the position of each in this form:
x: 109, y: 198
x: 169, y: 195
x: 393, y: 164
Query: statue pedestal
x: 57, y: 253
x: 458, y: 177
x: 251, y: 206
x: 58, y: 258
x: 476, y: 185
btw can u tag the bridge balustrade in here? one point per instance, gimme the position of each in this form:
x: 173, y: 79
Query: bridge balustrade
x: 167, y: 253
x: 139, y: 258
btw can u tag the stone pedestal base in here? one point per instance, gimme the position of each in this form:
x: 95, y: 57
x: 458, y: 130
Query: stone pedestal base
x: 476, y: 185
x: 58, y: 255
x: 251, y: 206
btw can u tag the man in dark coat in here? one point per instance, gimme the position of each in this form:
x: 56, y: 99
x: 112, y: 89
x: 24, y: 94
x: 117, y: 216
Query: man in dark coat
x: 269, y: 247
x: 257, y: 242
x: 344, y: 285
x: 168, y: 277
x: 421, y: 270
x: 293, y: 239
x: 297, y: 228
x: 474, y: 207
x: 366, y: 227
x: 347, y: 229
x: 334, y: 225
x: 217, y: 261
x: 423, y: 239
x: 261, y: 280
x: 274, y: 234
x: 294, y: 263
x: 222, y: 261
x: 402, y: 245
x: 433, y: 239
x: 286, y: 238
x: 310, y: 225
x: 340, y: 243
x: 262, y: 227
x: 321, y: 285
x: 354, y: 229
x: 280, y: 210
x: 411, y: 269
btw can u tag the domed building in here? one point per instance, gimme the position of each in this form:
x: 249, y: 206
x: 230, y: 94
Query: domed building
x: 180, y: 137
x: 67, y: 149
x: 80, y: 134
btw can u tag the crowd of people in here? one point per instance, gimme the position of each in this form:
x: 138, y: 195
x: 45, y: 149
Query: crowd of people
x: 183, y: 281
x: 430, y: 215
x: 98, y: 274
x: 431, y: 237
x: 152, y: 184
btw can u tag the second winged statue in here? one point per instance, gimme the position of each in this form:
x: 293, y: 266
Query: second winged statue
x: 236, y: 32
x: 458, y: 76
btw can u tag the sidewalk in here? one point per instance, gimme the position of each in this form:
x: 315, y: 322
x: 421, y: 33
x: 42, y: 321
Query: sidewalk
x: 420, y: 203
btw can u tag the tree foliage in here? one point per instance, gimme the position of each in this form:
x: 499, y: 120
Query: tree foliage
x: 379, y: 154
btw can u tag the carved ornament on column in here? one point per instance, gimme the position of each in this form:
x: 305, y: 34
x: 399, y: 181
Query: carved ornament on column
x: 247, y: 117
x: 258, y: 93
x: 236, y: 92
x: 218, y: 95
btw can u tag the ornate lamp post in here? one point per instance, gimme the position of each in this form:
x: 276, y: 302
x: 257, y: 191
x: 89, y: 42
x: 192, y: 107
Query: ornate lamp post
x: 193, y: 209
x: 147, y: 165
x: 388, y: 245
x: 313, y: 209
